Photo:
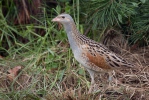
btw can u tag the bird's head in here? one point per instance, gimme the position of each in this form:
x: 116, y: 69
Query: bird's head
x: 63, y: 18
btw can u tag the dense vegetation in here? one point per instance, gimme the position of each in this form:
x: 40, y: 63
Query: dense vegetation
x: 39, y: 52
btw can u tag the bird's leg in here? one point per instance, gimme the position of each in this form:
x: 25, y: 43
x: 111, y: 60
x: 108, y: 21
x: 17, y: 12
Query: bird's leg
x: 110, y: 76
x: 112, y: 79
x: 92, y: 80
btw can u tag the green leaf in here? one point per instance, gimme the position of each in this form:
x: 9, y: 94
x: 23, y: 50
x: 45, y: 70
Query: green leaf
x: 58, y: 9
x: 61, y: 74
x: 143, y: 1
x: 81, y: 71
x: 120, y: 18
x: 135, y: 4
x: 51, y: 51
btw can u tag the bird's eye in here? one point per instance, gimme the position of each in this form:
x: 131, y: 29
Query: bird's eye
x: 63, y: 17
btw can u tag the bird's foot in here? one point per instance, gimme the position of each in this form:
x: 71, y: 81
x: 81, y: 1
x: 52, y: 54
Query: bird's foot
x: 93, y: 88
x: 114, y: 82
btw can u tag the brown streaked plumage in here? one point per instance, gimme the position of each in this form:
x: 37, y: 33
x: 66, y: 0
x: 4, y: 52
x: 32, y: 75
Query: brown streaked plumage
x: 98, y: 60
x: 92, y: 55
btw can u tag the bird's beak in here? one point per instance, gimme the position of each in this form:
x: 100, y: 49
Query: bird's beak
x: 56, y: 19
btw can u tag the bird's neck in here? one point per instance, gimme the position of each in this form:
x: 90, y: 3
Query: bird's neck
x: 73, y: 35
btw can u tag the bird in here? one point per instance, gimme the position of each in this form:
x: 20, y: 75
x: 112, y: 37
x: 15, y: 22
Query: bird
x: 94, y: 56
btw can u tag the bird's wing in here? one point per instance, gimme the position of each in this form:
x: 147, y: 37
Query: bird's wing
x: 100, y: 56
x: 117, y: 61
x: 95, y: 60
